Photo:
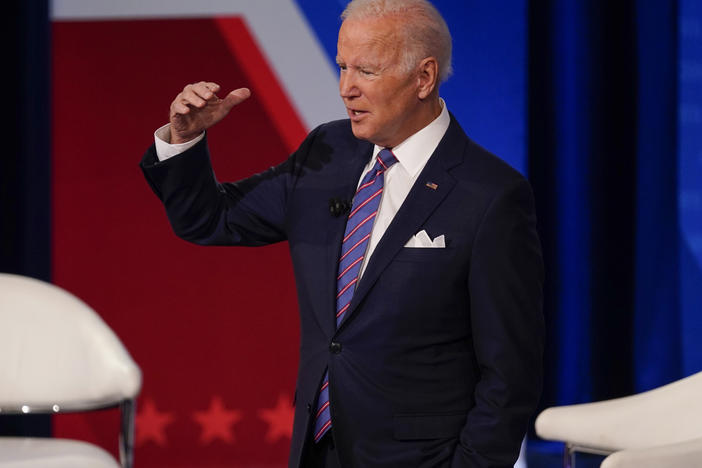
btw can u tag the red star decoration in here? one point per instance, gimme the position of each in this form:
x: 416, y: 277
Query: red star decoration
x: 279, y: 419
x: 151, y: 424
x: 217, y: 422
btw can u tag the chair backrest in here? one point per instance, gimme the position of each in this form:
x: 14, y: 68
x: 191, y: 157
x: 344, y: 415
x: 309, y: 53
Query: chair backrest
x: 56, y: 353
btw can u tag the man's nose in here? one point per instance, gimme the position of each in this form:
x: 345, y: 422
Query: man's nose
x: 347, y: 85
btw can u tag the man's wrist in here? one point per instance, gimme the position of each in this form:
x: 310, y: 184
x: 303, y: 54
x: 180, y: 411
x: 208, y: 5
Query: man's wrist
x: 165, y: 149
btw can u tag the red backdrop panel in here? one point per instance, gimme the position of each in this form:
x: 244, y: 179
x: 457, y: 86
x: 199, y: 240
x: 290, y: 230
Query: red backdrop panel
x: 214, y: 330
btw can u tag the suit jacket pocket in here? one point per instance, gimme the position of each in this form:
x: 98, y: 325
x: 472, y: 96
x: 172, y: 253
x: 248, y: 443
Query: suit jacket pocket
x: 428, y: 426
x: 423, y: 254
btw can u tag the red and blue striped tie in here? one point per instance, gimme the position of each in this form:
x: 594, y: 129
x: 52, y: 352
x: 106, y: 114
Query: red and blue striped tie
x: 353, y: 250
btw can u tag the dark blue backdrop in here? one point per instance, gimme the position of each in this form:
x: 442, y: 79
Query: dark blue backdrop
x: 603, y: 154
x: 690, y: 181
x: 25, y: 164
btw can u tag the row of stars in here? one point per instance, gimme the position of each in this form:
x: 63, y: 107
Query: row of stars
x: 216, y: 423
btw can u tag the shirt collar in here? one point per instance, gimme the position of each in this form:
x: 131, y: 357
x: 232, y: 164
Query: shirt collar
x: 414, y: 152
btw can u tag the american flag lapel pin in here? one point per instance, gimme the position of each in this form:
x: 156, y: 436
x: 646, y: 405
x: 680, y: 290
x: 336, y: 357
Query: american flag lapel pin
x: 432, y: 185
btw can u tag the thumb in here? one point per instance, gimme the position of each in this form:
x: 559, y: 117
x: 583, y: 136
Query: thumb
x: 236, y: 97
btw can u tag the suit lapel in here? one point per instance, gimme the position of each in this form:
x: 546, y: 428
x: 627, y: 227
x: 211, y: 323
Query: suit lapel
x: 421, y: 201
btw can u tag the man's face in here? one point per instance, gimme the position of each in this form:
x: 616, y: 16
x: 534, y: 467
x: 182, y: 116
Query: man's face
x: 380, y: 97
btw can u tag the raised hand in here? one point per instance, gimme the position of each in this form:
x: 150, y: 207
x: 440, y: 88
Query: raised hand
x: 198, y: 107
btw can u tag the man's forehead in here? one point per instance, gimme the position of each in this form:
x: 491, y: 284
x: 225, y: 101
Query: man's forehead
x: 367, y: 39
x: 383, y: 30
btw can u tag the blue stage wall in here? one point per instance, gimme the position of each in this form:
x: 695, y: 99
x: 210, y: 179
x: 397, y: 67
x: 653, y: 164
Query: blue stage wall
x: 690, y: 182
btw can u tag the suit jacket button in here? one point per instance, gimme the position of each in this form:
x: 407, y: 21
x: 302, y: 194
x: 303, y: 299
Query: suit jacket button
x: 335, y: 347
x: 309, y: 408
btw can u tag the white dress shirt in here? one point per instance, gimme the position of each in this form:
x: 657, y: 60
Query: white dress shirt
x: 412, y: 155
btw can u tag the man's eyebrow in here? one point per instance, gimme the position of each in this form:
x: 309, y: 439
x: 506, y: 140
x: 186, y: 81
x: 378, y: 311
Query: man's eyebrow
x: 359, y: 66
x: 369, y: 66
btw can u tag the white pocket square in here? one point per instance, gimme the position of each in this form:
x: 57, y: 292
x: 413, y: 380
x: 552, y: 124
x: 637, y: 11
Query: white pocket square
x: 422, y: 240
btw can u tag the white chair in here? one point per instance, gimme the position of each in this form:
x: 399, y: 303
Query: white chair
x: 665, y: 416
x: 57, y: 355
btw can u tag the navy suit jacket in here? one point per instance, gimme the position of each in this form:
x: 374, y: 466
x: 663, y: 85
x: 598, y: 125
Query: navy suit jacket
x: 439, y: 359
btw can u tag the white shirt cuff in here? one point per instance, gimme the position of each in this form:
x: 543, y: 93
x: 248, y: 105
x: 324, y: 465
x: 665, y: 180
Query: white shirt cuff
x: 165, y: 150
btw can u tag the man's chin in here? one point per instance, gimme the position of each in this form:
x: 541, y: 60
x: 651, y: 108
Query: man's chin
x: 358, y: 132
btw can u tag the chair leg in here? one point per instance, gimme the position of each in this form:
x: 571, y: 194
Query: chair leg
x: 568, y: 456
x: 126, y: 437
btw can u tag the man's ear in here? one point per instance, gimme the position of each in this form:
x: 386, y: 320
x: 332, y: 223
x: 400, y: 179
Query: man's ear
x: 428, y: 76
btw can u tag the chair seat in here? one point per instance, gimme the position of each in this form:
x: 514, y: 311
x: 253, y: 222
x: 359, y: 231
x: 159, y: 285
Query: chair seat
x: 32, y: 452
x: 681, y: 455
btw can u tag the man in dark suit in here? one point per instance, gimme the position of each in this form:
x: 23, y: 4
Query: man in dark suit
x: 421, y: 340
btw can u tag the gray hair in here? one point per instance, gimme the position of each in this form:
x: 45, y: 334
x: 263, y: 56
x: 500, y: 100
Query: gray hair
x: 425, y: 33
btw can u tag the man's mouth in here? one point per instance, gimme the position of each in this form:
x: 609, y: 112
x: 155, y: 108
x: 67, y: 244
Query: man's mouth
x: 355, y: 113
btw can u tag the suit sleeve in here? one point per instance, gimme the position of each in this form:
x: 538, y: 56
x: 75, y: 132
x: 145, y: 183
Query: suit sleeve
x: 506, y: 296
x: 204, y: 211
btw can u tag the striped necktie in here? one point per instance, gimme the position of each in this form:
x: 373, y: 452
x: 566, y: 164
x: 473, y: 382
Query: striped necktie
x: 353, y: 250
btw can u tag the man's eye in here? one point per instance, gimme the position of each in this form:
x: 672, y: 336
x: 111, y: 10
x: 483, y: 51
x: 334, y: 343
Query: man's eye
x: 366, y: 72
x: 342, y: 67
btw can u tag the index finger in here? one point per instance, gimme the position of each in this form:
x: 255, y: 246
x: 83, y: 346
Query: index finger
x: 214, y: 87
x: 204, y: 90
